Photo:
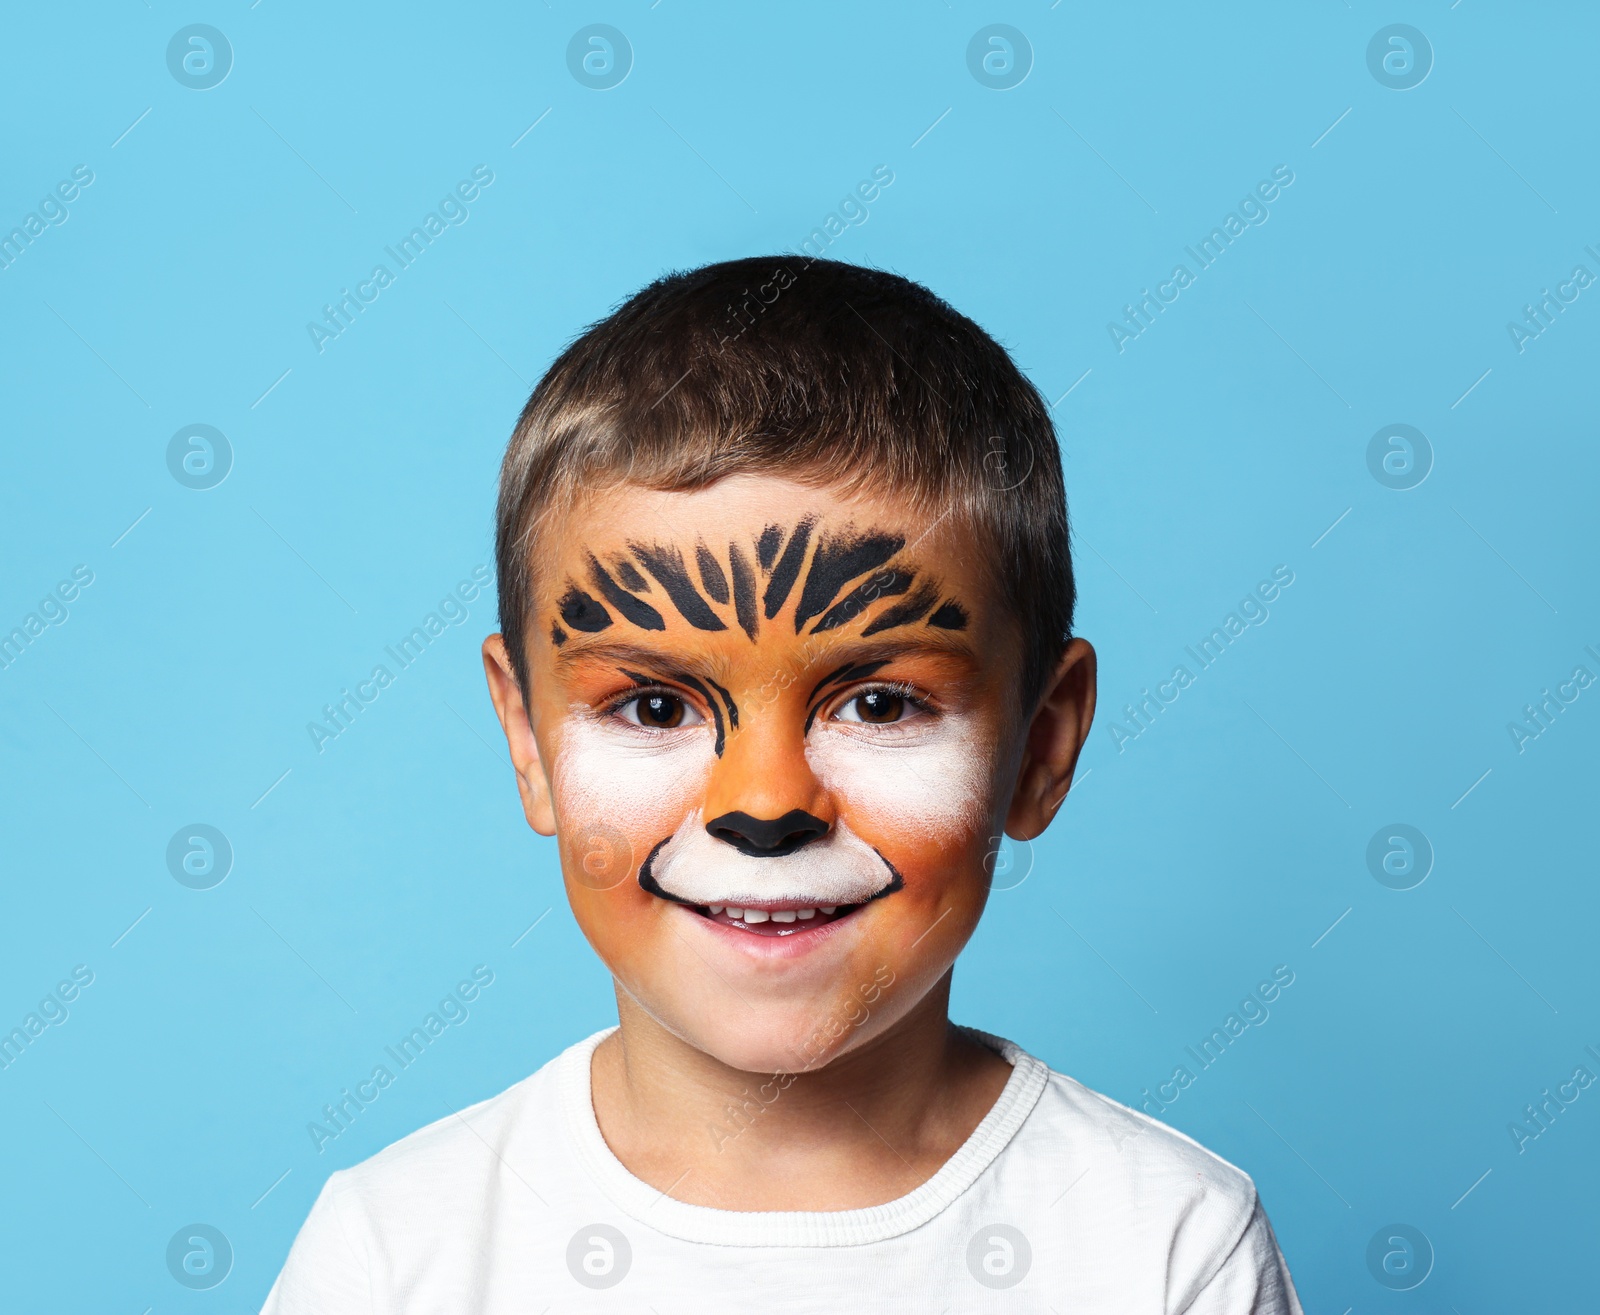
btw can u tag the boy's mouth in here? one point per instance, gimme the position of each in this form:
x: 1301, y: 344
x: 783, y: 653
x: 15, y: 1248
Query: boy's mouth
x: 788, y: 917
x: 784, y: 918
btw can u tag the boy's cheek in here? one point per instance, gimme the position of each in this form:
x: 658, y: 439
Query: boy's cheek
x: 598, y: 857
x: 920, y: 802
x: 932, y: 866
x: 608, y: 793
x: 621, y: 925
x: 604, y: 839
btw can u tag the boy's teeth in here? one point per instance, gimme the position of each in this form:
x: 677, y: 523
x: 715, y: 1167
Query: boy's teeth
x: 756, y: 916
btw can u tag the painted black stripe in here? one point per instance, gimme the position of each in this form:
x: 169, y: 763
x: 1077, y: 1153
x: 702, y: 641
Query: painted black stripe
x: 733, y: 708
x: 744, y: 590
x: 767, y: 545
x: 630, y: 577
x: 836, y: 563
x: 787, y: 571
x: 647, y: 880
x: 950, y: 616
x: 582, y: 612
x: 633, y: 609
x: 666, y: 564
x: 716, y: 708
x: 885, y: 584
x: 850, y: 671
x: 896, y: 881
x: 711, y: 575
x: 912, y: 609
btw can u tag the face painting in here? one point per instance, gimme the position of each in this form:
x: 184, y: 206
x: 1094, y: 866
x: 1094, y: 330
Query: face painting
x: 775, y: 722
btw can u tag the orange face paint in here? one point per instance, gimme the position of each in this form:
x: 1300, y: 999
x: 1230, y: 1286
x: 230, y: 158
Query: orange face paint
x: 778, y: 727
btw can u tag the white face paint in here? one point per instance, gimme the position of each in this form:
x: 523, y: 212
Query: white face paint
x: 921, y: 782
x: 841, y: 868
x: 643, y: 786
x: 925, y: 781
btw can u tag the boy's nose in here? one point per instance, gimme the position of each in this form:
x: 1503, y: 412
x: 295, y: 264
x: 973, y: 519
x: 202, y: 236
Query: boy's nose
x: 763, y: 838
x: 763, y: 798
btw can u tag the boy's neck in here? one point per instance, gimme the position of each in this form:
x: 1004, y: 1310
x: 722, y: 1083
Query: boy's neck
x: 868, y: 1127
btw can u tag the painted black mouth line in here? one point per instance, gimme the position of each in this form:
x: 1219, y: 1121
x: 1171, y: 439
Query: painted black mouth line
x: 649, y: 884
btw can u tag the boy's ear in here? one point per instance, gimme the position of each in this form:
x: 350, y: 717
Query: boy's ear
x: 1055, y: 736
x: 509, y: 706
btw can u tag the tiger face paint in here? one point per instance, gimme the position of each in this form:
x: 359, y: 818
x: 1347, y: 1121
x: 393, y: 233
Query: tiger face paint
x: 778, y: 733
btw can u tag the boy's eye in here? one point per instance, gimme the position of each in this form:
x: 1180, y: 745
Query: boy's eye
x: 660, y: 711
x: 876, y: 707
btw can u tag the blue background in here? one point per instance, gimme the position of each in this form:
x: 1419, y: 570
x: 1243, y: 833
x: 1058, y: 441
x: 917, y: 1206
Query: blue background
x: 1222, y: 841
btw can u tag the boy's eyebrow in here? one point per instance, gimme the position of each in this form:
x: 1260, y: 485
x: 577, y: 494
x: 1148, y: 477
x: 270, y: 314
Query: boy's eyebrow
x: 844, y: 653
x: 864, y: 658
x: 853, y: 656
x: 639, y: 655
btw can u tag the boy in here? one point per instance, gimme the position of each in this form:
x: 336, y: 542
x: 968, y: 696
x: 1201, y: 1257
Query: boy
x: 785, y: 599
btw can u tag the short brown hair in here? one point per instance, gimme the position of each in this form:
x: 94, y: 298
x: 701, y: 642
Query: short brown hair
x: 834, y: 374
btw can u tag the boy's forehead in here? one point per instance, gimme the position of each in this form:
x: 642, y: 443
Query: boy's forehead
x: 757, y: 560
x: 629, y: 511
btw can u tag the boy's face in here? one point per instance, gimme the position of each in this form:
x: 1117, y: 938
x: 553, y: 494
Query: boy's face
x: 775, y: 732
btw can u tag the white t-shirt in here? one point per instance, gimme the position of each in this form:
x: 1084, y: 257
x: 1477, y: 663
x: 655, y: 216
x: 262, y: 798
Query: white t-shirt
x: 1060, y: 1200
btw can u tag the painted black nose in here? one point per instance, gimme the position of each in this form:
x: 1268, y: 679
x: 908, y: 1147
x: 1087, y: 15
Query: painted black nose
x: 762, y: 839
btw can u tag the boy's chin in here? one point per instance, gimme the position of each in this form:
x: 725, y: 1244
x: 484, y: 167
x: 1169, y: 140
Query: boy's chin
x: 790, y: 1033
x: 780, y: 1040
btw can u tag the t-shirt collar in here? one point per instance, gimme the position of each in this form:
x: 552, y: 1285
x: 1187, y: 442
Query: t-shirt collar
x: 797, y: 1228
